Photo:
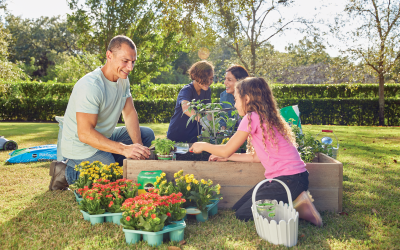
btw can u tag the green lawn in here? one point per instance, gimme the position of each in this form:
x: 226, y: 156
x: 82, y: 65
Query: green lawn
x: 31, y: 217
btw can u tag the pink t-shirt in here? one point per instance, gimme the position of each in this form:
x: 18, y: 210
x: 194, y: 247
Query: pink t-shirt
x: 279, y: 161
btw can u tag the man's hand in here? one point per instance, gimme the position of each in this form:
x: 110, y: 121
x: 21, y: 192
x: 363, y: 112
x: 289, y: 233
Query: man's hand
x: 136, y: 151
x: 217, y: 158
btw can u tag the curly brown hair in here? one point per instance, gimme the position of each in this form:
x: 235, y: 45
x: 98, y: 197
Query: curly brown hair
x: 262, y: 101
x: 201, y: 72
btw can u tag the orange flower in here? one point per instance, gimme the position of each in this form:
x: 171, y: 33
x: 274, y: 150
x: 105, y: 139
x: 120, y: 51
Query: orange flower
x: 128, y: 218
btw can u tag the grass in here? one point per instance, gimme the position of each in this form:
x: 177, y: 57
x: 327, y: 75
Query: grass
x: 31, y: 217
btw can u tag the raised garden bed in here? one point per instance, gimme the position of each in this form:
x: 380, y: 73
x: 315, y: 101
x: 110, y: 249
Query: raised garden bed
x: 236, y: 178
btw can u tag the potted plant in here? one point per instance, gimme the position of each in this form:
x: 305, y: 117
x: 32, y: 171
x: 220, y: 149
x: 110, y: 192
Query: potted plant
x: 163, y: 148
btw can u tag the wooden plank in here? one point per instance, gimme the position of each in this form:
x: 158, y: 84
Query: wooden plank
x: 236, y: 178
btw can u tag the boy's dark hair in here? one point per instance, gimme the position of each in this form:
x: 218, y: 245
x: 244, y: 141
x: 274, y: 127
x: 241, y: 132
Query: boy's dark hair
x: 117, y: 41
x: 201, y: 72
x: 238, y: 71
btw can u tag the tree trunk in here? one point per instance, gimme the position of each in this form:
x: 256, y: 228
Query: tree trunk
x: 381, y: 100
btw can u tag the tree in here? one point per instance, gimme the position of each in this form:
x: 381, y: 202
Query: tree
x: 249, y: 25
x: 156, y: 35
x: 373, y: 37
x: 33, y: 40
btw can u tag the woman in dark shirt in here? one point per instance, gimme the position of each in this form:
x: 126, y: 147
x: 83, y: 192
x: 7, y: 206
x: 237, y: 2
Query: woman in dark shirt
x: 202, y: 75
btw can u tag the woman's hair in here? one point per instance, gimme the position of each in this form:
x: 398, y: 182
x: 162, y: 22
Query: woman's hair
x: 201, y: 72
x: 239, y: 72
x: 262, y: 102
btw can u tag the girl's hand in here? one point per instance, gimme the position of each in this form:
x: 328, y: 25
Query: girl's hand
x: 217, y: 158
x: 197, y: 147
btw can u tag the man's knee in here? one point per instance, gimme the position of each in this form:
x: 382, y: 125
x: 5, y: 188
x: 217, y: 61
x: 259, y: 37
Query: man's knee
x: 147, y: 135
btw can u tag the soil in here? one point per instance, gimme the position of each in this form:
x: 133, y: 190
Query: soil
x: 193, y: 157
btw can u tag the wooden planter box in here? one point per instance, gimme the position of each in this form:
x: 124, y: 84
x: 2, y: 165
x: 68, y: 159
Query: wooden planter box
x: 236, y: 178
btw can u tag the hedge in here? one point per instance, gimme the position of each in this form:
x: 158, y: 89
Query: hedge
x: 313, y: 111
x: 159, y: 91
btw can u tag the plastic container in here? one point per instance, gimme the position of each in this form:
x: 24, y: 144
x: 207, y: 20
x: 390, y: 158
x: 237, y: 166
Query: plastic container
x: 174, y: 231
x: 282, y: 228
x: 78, y: 197
x: 212, y: 210
x: 100, y: 218
x: 146, y: 180
x: 328, y: 141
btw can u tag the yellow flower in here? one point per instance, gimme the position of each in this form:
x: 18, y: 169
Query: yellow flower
x: 175, y: 175
x: 188, y: 187
x: 203, y: 181
x: 195, y: 181
x: 188, y: 180
x: 176, y: 180
x: 163, y: 174
x: 164, y: 182
x: 90, y: 178
x: 210, y: 182
x: 180, y: 172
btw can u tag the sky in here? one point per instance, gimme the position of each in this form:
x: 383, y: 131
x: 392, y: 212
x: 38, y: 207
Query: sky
x: 326, y: 10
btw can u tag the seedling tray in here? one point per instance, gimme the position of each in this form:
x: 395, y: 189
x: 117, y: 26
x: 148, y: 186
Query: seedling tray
x: 78, y: 197
x: 174, y: 231
x: 212, y: 210
x: 100, y: 218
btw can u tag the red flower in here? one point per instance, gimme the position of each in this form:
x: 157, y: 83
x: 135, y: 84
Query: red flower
x: 111, y: 203
x: 128, y: 218
x: 169, y: 214
x: 153, y: 216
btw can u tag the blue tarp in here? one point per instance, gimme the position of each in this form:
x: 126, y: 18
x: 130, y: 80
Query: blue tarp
x: 38, y: 153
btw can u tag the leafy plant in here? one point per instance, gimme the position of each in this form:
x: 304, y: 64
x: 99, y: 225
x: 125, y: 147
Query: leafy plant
x: 210, y: 115
x: 163, y: 146
x: 308, y: 147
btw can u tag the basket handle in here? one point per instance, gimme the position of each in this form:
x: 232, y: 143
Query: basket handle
x: 253, y: 198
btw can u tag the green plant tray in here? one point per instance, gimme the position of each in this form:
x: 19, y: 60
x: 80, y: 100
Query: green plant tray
x: 78, y: 197
x: 212, y: 210
x: 100, y: 218
x: 173, y: 232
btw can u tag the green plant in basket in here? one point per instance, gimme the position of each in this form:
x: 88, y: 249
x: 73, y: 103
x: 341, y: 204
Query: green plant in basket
x: 163, y: 146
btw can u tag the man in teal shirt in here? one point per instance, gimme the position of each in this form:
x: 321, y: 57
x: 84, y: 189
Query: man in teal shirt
x: 95, y: 105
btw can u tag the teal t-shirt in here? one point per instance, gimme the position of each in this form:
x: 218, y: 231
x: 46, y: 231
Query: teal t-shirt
x: 93, y: 94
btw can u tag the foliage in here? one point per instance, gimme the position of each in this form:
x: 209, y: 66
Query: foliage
x: 308, y: 146
x: 350, y: 111
x: 163, y: 146
x: 248, y: 26
x: 210, y: 115
x: 55, y: 90
x: 71, y: 68
x: 33, y: 42
x: 8, y: 71
x: 149, y: 211
x: 90, y: 172
x: 372, y: 37
x: 155, y: 34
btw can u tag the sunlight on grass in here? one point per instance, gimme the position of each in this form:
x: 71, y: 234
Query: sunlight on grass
x: 33, y: 218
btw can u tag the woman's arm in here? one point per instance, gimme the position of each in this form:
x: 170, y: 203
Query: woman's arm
x: 226, y: 150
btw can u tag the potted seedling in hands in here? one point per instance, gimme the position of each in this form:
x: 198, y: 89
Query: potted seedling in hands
x: 163, y: 148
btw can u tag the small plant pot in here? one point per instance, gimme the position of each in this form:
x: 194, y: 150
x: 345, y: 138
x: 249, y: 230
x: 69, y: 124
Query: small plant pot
x: 78, y: 197
x: 131, y: 238
x: 153, y: 240
x: 95, y: 220
x: 201, y: 218
x: 266, y: 208
x: 165, y: 157
x: 177, y: 235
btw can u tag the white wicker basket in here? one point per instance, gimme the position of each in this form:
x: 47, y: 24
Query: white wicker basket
x: 283, y: 228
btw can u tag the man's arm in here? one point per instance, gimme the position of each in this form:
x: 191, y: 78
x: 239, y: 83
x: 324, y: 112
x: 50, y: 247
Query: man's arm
x: 132, y: 121
x: 86, y: 124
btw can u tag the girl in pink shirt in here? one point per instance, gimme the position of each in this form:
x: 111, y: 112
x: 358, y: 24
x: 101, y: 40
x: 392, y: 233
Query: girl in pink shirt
x: 270, y: 141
